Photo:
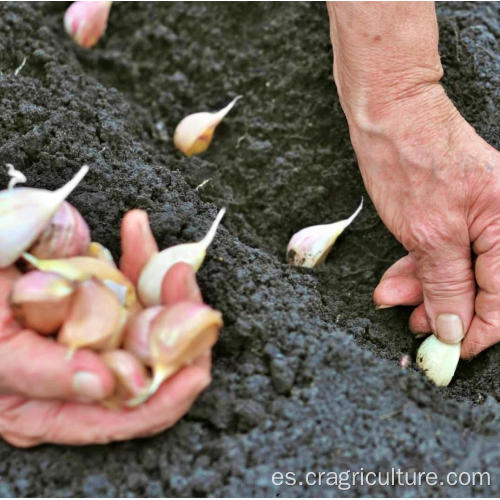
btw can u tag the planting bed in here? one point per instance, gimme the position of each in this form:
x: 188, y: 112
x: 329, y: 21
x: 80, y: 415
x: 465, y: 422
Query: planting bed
x: 306, y: 374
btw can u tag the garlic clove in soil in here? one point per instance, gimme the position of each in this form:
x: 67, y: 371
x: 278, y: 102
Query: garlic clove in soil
x: 150, y: 280
x: 130, y: 375
x: 98, y: 251
x: 311, y: 245
x: 438, y: 360
x: 136, y: 338
x: 41, y: 301
x: 179, y: 334
x: 84, y: 268
x: 96, y: 318
x: 16, y: 176
x: 194, y: 133
x: 67, y: 235
x: 25, y: 213
x: 86, y: 22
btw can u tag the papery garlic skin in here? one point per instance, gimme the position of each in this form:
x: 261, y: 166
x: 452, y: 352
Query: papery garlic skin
x: 98, y: 251
x: 151, y: 278
x: 194, y: 133
x: 179, y: 334
x: 438, y: 360
x: 136, y: 339
x: 25, y: 213
x: 86, y: 22
x: 310, y: 246
x: 67, y: 235
x: 16, y: 176
x: 41, y: 301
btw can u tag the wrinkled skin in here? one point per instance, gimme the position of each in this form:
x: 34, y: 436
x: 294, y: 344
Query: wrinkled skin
x: 38, y: 402
x: 434, y: 181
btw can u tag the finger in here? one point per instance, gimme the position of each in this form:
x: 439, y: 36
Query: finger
x: 485, y: 327
x: 449, y: 289
x: 419, y: 323
x: 39, y: 422
x: 8, y: 325
x: 138, y: 243
x: 405, y: 266
x: 37, y: 367
x: 398, y: 290
x: 180, y: 284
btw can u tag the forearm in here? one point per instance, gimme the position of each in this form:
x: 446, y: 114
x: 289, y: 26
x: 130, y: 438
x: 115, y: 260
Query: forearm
x: 383, y: 53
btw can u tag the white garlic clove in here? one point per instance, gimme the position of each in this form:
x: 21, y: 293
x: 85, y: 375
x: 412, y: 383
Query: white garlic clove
x: 438, y: 360
x: 86, y: 22
x: 311, y: 245
x: 25, y: 213
x: 67, y: 235
x: 194, y: 133
x: 151, y: 278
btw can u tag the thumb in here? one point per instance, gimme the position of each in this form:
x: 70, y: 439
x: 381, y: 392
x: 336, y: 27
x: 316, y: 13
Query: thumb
x: 449, y: 290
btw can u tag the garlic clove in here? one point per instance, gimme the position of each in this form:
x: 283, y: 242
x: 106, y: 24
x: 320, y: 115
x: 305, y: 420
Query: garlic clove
x: 150, y: 280
x: 194, y: 133
x: 179, y: 334
x: 131, y: 376
x: 98, y: 251
x: 136, y: 338
x: 25, y: 213
x: 438, y: 360
x: 67, y: 235
x: 310, y: 246
x: 96, y: 318
x: 86, y: 22
x: 84, y: 268
x: 41, y: 301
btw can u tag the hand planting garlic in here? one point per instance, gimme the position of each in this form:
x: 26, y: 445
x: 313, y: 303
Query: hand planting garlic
x: 25, y: 213
x: 194, y: 133
x: 311, y: 245
x: 86, y: 22
x: 150, y: 280
x: 438, y: 360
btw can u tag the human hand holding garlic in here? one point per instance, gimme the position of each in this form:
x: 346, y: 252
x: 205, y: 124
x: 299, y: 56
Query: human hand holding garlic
x: 46, y: 398
x: 433, y: 180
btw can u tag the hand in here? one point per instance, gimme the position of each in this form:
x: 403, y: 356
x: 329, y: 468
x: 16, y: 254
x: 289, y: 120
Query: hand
x: 46, y: 399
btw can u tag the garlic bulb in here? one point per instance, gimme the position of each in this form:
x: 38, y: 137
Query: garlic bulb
x: 136, y: 338
x: 41, y: 301
x: 194, y: 133
x: 67, y: 235
x: 179, y: 334
x: 96, y: 318
x: 438, y: 360
x: 86, y: 22
x: 310, y: 246
x: 25, y: 213
x: 150, y: 280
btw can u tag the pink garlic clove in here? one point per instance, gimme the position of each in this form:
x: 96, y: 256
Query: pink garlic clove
x: 41, y: 301
x: 137, y: 334
x: 86, y: 22
x: 96, y: 318
x: 179, y: 334
x: 67, y: 235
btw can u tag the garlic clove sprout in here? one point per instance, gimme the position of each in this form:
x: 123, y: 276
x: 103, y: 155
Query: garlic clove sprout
x: 136, y: 338
x: 96, y: 318
x: 179, y: 334
x: 25, y: 213
x: 438, y: 360
x: 67, y: 235
x: 150, y: 280
x: 310, y: 246
x: 98, y: 251
x: 86, y: 22
x: 84, y: 268
x: 41, y: 301
x: 131, y: 376
x: 194, y: 133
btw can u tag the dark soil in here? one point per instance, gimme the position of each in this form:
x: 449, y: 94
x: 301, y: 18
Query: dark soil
x: 306, y: 374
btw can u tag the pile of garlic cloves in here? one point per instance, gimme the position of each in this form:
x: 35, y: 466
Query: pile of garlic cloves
x: 71, y: 289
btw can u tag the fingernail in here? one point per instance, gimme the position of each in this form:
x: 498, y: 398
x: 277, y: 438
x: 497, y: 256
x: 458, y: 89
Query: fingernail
x: 449, y: 328
x: 88, y: 385
x: 420, y: 335
x: 382, y: 306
